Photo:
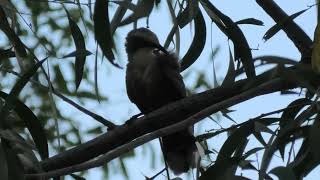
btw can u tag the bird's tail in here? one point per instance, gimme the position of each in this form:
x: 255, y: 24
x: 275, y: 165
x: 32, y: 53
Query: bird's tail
x: 179, y: 150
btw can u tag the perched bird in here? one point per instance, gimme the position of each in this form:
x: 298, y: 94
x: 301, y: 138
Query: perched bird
x: 153, y: 80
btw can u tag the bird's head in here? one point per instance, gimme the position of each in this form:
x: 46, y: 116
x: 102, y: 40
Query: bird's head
x: 142, y: 38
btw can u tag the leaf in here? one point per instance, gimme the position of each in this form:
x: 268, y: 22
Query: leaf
x: 218, y: 169
x: 231, y: 73
x: 77, y: 177
x: 239, y: 135
x: 242, y: 50
x: 80, y: 52
x: 126, y: 4
x: 314, y: 136
x: 197, y: 44
x: 276, y: 60
x: 292, y: 111
x: 12, y: 36
x: 283, y: 173
x: 33, y: 124
x: 142, y: 9
x: 118, y: 15
x: 77, y: 54
x: 189, y: 13
x: 252, y: 21
x: 60, y: 81
x: 252, y: 151
x: 96, y: 87
x: 102, y: 30
x: 277, y: 27
x: 6, y: 53
x: 259, y: 127
x: 15, y: 91
x: 315, y: 57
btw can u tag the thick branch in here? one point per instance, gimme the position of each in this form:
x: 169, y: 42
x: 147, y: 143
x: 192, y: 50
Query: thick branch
x: 300, y: 39
x: 265, y: 87
x: 165, y: 116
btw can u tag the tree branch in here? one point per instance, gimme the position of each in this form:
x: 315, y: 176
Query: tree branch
x: 171, y: 114
x: 300, y: 39
x: 269, y: 86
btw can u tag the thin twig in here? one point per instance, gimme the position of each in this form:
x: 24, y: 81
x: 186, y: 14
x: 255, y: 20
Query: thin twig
x: 97, y: 117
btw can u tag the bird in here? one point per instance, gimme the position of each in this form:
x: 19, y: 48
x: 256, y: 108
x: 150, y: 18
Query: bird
x: 153, y: 80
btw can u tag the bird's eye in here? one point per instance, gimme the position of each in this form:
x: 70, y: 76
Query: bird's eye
x: 156, y: 51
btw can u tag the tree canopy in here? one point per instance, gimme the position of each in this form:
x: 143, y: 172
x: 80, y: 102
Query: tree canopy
x: 49, y: 63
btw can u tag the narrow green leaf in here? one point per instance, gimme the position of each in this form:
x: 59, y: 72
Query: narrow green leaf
x: 118, y: 15
x: 277, y: 27
x: 96, y: 87
x: 283, y: 173
x: 218, y: 169
x: 33, y: 124
x: 189, y: 13
x: 102, y: 30
x: 314, y: 136
x: 59, y: 80
x: 77, y: 177
x: 241, y: 47
x: 142, y: 9
x: 231, y: 73
x: 15, y: 91
x: 12, y: 36
x: 198, y: 42
x: 252, y: 21
x: 81, y: 52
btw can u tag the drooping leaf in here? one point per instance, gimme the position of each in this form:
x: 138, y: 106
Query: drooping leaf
x: 315, y: 57
x: 12, y: 36
x: 292, y: 111
x: 102, y: 30
x: 252, y: 21
x: 197, y: 44
x: 314, y: 136
x: 142, y: 9
x: 96, y: 87
x: 118, y: 15
x: 217, y: 170
x: 60, y: 80
x: 241, y: 47
x: 77, y: 177
x: 81, y: 52
x: 238, y: 135
x: 283, y: 173
x: 252, y: 151
x: 33, y: 124
x: 15, y: 91
x: 270, y: 59
x: 277, y: 27
x: 231, y: 73
x: 189, y: 13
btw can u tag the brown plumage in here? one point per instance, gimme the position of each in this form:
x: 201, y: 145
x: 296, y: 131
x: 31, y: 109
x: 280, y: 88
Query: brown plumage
x: 153, y: 80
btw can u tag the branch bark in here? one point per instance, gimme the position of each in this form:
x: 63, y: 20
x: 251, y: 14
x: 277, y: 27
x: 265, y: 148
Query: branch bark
x: 168, y: 115
x: 269, y: 86
x: 300, y: 39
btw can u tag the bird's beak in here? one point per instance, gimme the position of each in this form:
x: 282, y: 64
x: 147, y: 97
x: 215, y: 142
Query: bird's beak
x: 156, y: 45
